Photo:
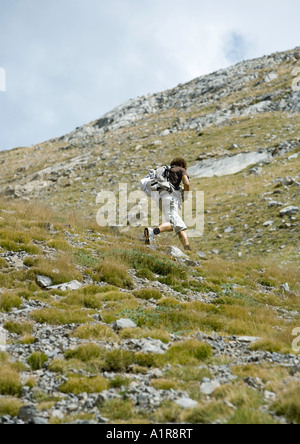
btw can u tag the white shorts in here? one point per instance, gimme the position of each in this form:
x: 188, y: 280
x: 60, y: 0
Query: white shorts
x: 170, y: 205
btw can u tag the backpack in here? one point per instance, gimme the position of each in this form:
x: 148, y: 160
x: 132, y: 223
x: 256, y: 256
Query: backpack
x: 157, y: 180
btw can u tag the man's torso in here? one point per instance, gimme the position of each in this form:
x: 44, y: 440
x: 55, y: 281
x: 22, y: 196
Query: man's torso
x: 175, y: 176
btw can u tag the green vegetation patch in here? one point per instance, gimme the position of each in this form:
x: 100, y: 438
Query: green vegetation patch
x: 141, y: 260
x: 118, y: 410
x: 175, y: 319
x: 8, y: 301
x: 114, y: 274
x: 188, y: 353
x: 10, y: 382
x: 10, y: 406
x: 19, y: 328
x: 84, y: 384
x: 111, y: 361
x: 208, y: 413
x: 54, y: 316
x: 139, y: 333
x: 85, y: 353
x: 98, y: 332
x: 37, y: 360
x: 246, y: 416
x: 288, y: 404
x: 85, y: 258
x: 61, y: 269
x: 148, y: 293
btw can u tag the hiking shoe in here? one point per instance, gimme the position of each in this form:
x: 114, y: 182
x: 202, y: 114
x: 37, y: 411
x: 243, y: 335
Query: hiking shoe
x: 149, y: 236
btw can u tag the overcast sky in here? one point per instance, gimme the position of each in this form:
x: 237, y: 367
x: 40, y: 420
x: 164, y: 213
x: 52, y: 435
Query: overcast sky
x: 68, y: 62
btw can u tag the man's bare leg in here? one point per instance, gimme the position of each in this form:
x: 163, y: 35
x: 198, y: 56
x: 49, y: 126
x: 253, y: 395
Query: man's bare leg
x: 184, y: 240
x: 165, y: 228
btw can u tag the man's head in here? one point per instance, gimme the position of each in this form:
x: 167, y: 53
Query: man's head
x: 179, y: 162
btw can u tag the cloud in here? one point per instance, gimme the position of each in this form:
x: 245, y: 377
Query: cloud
x: 236, y: 47
x: 68, y: 62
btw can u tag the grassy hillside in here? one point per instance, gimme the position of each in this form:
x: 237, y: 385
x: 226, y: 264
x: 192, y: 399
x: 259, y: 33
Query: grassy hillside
x: 61, y: 344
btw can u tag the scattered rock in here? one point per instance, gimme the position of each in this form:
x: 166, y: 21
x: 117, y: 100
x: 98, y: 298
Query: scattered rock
x: 270, y: 77
x: 222, y: 373
x: 255, y: 383
x: 208, y: 387
x: 17, y: 262
x: 255, y: 170
x: 146, y: 345
x: 229, y: 230
x: 43, y: 281
x: 274, y: 203
x: 156, y: 373
x: 285, y: 287
x: 191, y: 263
x: 270, y: 396
x: 287, y: 181
x: 269, y: 223
x: 295, y: 369
x: 120, y: 324
x: 50, y: 228
x: 101, y: 419
x: 27, y: 412
x: 73, y: 285
x: 186, y: 403
x: 289, y: 211
x: 293, y: 156
x: 30, y: 415
x: 248, y: 339
x: 147, y: 398
x: 58, y: 414
x: 177, y: 253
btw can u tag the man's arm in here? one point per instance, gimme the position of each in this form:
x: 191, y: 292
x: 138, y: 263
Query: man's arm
x: 186, y: 190
x: 186, y: 183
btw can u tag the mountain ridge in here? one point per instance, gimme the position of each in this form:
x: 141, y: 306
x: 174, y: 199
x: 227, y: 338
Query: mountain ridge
x: 134, y: 109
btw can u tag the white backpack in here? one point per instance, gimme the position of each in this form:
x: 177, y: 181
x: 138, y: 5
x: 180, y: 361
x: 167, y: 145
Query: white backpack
x: 157, y: 180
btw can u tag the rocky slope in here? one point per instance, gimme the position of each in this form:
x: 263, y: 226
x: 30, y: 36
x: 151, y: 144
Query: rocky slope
x: 96, y: 327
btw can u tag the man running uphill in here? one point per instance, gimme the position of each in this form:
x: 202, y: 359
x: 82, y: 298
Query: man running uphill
x: 170, y: 202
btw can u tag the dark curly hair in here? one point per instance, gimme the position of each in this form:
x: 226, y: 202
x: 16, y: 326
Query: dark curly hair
x: 179, y: 162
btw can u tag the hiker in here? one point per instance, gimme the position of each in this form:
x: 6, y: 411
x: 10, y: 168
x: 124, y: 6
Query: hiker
x: 169, y: 197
